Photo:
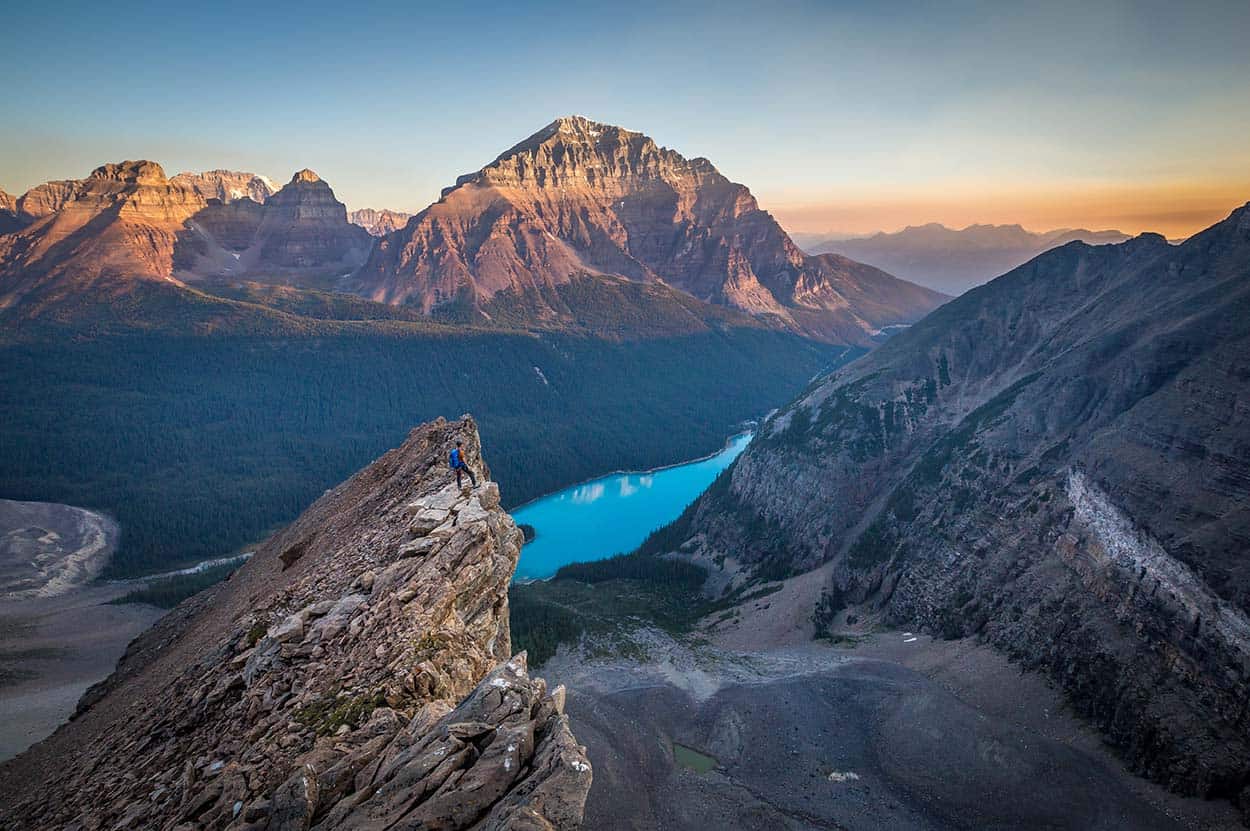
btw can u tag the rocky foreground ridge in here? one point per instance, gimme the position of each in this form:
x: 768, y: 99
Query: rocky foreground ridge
x: 354, y: 674
x: 1057, y: 462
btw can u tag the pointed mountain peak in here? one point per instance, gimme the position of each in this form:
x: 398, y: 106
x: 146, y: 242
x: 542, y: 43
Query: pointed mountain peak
x: 570, y: 130
x: 305, y: 175
x: 140, y: 172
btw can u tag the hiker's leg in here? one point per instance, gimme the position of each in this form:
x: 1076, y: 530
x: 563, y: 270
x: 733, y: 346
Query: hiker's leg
x: 457, y: 477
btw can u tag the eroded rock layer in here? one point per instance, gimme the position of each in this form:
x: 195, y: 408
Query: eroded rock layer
x: 355, y: 673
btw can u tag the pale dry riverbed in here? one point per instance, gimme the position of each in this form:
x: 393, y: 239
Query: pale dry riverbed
x: 58, y: 632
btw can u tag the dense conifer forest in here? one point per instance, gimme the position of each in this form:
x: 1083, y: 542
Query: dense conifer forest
x: 199, y: 446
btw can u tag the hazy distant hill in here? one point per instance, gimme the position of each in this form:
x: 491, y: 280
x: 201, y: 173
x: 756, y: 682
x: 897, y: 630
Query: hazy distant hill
x: 950, y: 260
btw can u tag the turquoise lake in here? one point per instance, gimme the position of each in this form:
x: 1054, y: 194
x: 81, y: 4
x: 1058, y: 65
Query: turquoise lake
x: 612, y: 514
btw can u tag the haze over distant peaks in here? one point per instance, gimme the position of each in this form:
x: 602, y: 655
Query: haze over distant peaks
x: 953, y: 260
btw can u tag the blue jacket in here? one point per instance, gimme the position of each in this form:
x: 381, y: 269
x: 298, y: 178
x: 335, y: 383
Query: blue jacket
x: 455, y: 459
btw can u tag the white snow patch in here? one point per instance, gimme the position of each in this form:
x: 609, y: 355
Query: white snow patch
x: 500, y: 683
x: 909, y: 640
x: 579, y: 766
x: 843, y: 776
x: 542, y: 377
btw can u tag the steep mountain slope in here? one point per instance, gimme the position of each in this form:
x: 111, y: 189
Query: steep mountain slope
x: 378, y: 223
x: 227, y: 185
x: 355, y: 673
x: 953, y: 261
x: 1059, y: 462
x: 581, y: 198
x: 119, y: 225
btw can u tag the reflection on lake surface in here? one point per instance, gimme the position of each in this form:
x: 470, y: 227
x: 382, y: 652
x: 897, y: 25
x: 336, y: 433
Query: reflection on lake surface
x: 612, y: 514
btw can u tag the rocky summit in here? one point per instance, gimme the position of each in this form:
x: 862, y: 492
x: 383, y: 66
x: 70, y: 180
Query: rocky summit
x: 581, y: 199
x: 1058, y: 463
x: 355, y: 674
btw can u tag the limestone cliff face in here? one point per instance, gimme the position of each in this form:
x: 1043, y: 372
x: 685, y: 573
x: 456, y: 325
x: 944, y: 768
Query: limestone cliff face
x: 583, y: 198
x: 379, y: 223
x: 355, y: 673
x: 1057, y: 462
x: 228, y: 185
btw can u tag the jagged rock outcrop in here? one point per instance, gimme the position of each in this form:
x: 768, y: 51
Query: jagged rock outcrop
x: 1058, y: 462
x: 355, y: 673
x: 228, y: 185
x: 580, y: 198
x: 379, y: 223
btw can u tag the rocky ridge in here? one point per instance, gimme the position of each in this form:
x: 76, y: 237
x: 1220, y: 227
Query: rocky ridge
x: 582, y: 198
x: 379, y: 223
x: 355, y: 673
x: 1055, y: 462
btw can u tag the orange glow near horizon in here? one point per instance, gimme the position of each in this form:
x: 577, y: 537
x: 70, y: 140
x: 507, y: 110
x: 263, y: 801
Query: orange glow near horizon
x: 1174, y: 209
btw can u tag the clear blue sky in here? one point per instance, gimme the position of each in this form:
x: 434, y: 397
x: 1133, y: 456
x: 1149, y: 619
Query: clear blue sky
x: 835, y: 116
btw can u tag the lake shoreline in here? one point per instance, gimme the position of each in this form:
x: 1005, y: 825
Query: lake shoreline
x: 728, y: 443
x: 613, y: 513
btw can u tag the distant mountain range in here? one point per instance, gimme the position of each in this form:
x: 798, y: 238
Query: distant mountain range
x: 950, y: 260
x: 379, y: 223
x: 581, y: 227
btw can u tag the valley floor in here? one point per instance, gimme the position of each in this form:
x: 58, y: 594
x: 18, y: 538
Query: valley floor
x: 897, y: 732
x: 58, y: 632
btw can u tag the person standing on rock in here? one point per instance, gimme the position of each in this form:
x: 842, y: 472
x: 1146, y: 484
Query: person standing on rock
x: 458, y: 464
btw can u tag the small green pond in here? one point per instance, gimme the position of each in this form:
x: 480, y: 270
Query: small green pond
x: 692, y: 759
